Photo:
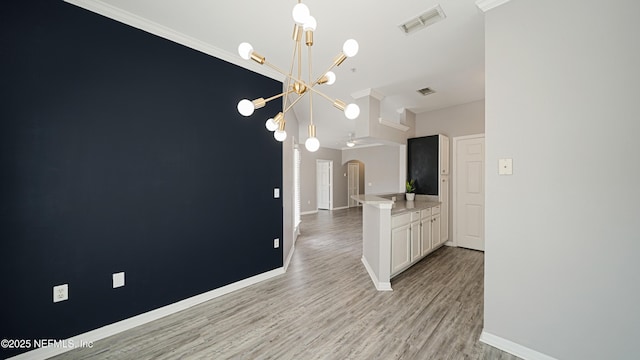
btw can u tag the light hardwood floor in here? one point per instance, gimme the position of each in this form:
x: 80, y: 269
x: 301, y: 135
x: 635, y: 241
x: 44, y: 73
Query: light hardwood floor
x: 326, y: 307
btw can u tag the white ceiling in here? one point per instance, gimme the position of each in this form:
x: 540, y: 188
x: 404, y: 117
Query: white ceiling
x: 447, y: 56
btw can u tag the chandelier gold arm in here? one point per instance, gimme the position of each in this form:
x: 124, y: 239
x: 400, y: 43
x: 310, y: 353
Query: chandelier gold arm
x: 304, y: 25
x: 258, y: 58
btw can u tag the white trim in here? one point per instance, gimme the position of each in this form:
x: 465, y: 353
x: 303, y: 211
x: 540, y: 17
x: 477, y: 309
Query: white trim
x: 380, y: 286
x: 367, y: 92
x: 453, y: 175
x: 393, y: 125
x: 340, y: 208
x: 486, y: 5
x: 310, y: 212
x: 513, y: 348
x: 162, y: 31
x: 289, y: 257
x: 127, y: 324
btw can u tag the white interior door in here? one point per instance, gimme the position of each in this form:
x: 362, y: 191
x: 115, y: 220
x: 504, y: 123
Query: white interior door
x: 469, y: 181
x: 353, y: 178
x: 323, y: 173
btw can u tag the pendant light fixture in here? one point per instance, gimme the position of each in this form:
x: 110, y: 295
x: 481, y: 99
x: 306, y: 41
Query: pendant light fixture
x: 304, y: 24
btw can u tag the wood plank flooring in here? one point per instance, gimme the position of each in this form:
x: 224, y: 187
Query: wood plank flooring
x: 326, y: 307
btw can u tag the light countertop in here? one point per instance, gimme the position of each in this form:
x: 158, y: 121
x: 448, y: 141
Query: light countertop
x: 402, y: 206
x: 371, y: 199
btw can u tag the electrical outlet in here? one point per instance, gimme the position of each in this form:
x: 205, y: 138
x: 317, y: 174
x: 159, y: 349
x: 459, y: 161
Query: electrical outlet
x: 118, y: 279
x: 276, y: 243
x: 276, y: 193
x: 60, y: 293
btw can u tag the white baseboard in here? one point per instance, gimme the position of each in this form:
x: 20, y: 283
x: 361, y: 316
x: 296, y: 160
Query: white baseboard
x: 380, y: 286
x: 309, y: 212
x: 513, y: 348
x: 340, y: 208
x: 451, y: 243
x: 289, y: 257
x: 126, y: 324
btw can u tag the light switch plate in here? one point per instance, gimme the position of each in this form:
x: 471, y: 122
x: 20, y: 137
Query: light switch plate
x: 505, y: 166
x: 276, y: 243
x: 276, y: 193
x: 118, y: 280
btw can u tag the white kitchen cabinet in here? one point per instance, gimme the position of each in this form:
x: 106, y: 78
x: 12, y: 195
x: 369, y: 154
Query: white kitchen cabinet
x: 436, y: 240
x: 443, y: 197
x: 443, y: 154
x: 400, y: 242
x: 416, y: 234
x: 425, y: 238
x: 400, y: 248
x: 443, y: 186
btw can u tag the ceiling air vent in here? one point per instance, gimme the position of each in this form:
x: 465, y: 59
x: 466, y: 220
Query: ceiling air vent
x: 423, y: 20
x: 426, y: 91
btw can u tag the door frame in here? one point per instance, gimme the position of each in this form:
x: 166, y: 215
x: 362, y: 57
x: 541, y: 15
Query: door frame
x: 330, y: 162
x: 349, y: 166
x: 453, y: 176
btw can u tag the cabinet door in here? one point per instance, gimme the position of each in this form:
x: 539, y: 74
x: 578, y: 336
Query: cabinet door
x: 435, y: 231
x: 425, y: 238
x: 400, y: 248
x: 444, y: 208
x: 443, y: 154
x: 415, y: 241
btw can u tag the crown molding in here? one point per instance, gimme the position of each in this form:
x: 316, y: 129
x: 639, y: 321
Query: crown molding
x: 486, y: 5
x: 367, y: 92
x: 162, y: 31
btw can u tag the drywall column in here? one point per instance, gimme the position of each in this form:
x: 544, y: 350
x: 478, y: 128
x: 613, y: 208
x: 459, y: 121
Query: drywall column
x: 561, y: 260
x: 376, y: 239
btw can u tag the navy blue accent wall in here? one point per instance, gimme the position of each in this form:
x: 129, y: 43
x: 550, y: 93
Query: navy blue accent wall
x: 422, y: 163
x: 123, y: 151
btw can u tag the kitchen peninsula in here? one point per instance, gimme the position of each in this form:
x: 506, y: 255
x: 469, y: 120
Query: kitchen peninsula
x: 396, y: 234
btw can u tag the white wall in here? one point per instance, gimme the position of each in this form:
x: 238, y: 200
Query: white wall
x: 308, y: 196
x: 562, y: 233
x: 459, y: 120
x: 288, y: 200
x: 381, y: 167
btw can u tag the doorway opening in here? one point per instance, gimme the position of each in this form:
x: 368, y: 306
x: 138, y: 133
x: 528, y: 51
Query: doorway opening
x: 355, y: 181
x: 324, y: 184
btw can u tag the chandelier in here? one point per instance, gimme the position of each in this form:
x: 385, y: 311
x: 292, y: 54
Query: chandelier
x: 304, y: 24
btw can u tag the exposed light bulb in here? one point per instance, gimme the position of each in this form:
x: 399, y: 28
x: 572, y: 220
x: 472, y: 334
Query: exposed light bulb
x: 352, y: 111
x: 271, y: 125
x: 350, y: 48
x: 312, y: 144
x: 351, y: 143
x: 246, y: 108
x: 310, y: 24
x: 331, y: 77
x: 245, y: 50
x: 300, y: 13
x: 280, y: 135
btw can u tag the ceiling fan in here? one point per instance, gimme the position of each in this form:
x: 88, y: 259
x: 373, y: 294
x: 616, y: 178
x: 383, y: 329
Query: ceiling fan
x: 351, y: 142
